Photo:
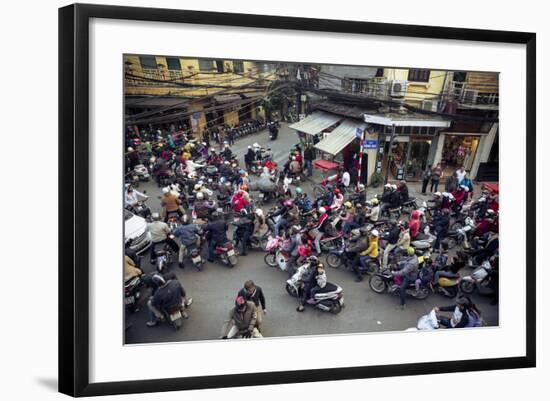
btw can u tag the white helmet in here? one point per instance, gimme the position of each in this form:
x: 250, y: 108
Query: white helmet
x: 293, y: 158
x: 490, y: 211
x: 361, y: 187
x: 375, y: 233
x: 165, y: 190
x: 322, y: 210
x: 130, y: 149
x: 200, y: 196
x: 466, y: 189
x: 259, y: 212
x: 394, y: 187
x: 437, y: 193
x: 256, y: 145
x: 387, y: 186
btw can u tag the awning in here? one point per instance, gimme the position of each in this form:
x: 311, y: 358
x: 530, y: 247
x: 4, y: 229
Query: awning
x: 407, y: 120
x: 315, y: 123
x: 341, y: 136
x: 227, y: 98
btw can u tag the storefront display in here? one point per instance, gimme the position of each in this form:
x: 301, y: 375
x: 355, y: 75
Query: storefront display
x: 459, y: 150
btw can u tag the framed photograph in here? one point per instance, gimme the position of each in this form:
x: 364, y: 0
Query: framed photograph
x: 253, y: 199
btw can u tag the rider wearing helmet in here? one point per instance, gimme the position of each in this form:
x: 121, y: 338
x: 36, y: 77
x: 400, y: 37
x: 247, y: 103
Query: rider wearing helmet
x: 374, y: 212
x: 170, y: 203
x: 243, y: 320
x: 245, y: 228
x: 404, y: 241
x: 159, y: 235
x: 189, y: 236
x: 202, y: 207
x: 392, y: 237
x: 319, y: 228
x: 370, y: 253
x: 285, y: 219
x: 408, y: 271
x: 260, y: 224
x: 355, y: 249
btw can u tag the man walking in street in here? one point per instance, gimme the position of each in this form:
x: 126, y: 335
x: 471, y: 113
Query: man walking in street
x: 309, y: 155
x: 252, y: 292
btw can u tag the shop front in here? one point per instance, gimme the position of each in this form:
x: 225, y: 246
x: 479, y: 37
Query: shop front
x: 459, y: 150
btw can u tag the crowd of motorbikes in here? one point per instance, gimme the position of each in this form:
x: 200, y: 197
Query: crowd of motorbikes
x: 212, y: 185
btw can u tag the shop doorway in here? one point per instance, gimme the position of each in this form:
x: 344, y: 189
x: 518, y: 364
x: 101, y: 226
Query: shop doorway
x: 418, y: 158
x: 458, y: 150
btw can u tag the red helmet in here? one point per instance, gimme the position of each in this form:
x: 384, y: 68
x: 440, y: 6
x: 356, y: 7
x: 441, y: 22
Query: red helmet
x: 337, y: 191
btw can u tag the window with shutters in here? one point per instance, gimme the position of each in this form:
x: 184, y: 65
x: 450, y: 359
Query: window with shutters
x: 419, y: 75
x: 173, y: 63
x: 238, y: 67
x: 206, y: 64
x: 148, y: 62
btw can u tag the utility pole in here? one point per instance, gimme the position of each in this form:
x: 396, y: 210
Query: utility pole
x: 389, y: 153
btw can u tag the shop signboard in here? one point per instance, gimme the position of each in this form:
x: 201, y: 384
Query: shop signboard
x: 358, y: 132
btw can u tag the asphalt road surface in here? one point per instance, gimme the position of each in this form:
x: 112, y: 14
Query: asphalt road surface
x: 214, y: 289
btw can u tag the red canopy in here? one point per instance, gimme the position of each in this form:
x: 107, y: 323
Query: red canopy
x: 326, y: 165
x: 491, y: 186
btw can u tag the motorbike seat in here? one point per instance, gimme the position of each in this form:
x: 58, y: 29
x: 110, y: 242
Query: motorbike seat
x: 328, y: 288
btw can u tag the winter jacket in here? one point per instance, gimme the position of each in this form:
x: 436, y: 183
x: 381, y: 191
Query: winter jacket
x: 218, y: 231
x: 309, y: 154
x: 374, y: 213
x: 257, y: 296
x: 245, y: 321
x: 436, y: 173
x: 168, y: 296
x: 359, y: 246
x: 414, y: 224
x: 187, y: 234
x: 404, y: 239
x: 372, y: 250
x: 130, y: 269
x: 170, y: 202
x: 393, y: 235
x: 409, y: 268
x: 404, y: 193
x: 159, y: 230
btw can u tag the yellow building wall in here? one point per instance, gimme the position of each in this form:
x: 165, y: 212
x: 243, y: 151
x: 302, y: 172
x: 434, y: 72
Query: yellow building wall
x: 418, y: 91
x: 190, y: 69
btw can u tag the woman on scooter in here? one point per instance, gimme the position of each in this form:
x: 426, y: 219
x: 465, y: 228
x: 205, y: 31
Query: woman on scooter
x: 465, y: 314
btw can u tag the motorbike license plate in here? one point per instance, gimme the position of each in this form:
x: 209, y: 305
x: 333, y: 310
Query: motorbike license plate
x: 231, y: 252
x: 261, y: 196
x: 175, y: 316
x: 196, y: 259
x: 341, y: 301
x: 129, y: 300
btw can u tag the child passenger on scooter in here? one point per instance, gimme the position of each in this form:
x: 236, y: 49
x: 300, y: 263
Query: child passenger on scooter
x: 321, y: 279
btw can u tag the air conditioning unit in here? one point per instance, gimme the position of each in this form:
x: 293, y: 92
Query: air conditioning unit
x: 430, y: 105
x: 398, y: 88
x: 469, y: 96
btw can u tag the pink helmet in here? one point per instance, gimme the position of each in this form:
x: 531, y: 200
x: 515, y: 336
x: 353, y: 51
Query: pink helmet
x: 288, y: 203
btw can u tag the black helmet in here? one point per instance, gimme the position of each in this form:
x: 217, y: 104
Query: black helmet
x: 244, y: 212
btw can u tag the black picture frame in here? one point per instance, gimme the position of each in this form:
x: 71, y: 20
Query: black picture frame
x: 74, y: 203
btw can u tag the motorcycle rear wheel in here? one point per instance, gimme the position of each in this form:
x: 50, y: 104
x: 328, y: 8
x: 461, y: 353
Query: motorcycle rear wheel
x: 333, y: 260
x: 377, y: 284
x: 467, y: 287
x: 270, y: 260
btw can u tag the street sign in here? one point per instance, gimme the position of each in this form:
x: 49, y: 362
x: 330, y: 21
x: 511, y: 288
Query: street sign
x: 370, y: 144
x: 196, y: 116
x: 358, y: 132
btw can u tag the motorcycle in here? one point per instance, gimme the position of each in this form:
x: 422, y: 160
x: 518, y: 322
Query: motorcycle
x: 140, y: 209
x: 142, y: 172
x: 226, y: 254
x: 480, y: 279
x: 340, y: 257
x: 423, y: 241
x: 194, y: 253
x: 163, y: 258
x: 132, y: 293
x: 275, y: 256
x: 384, y: 282
x: 174, y: 315
x: 328, y: 299
x: 409, y: 205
